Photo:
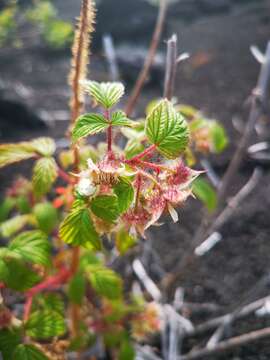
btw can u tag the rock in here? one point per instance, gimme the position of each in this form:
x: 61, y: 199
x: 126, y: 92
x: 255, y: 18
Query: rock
x: 15, y: 117
x: 214, y: 6
x: 131, y: 60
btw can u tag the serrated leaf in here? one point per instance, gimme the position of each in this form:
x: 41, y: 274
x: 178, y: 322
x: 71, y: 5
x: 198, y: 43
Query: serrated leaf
x: 9, y: 339
x: 167, y: 129
x: 205, y: 192
x: 124, y: 241
x: 28, y: 352
x: 105, y: 281
x: 218, y: 137
x: 45, y: 324
x: 49, y: 302
x: 125, y: 194
x: 32, y: 246
x: 89, y: 124
x: 119, y: 118
x: 17, y: 275
x: 105, y: 207
x: 13, y: 225
x: 106, y: 94
x: 78, y: 229
x: 77, y: 288
x: 12, y: 153
x: 46, y: 216
x: 44, y: 146
x: 44, y: 175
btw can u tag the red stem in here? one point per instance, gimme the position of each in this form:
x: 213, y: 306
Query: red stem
x: 146, y: 164
x: 138, y: 184
x: 51, y: 282
x: 109, y: 131
x: 148, y: 151
x: 64, y: 175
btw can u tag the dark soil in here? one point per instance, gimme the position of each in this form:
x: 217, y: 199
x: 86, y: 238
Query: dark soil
x: 218, y: 79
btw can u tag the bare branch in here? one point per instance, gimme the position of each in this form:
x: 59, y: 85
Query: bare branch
x: 109, y: 51
x: 235, y: 315
x: 171, y: 66
x: 228, y: 344
x: 149, y: 59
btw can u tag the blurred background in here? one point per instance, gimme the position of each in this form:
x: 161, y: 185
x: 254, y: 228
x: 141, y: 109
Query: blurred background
x: 35, y: 39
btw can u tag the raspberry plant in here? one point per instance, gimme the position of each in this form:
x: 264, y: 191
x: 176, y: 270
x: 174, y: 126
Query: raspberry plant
x: 81, y: 206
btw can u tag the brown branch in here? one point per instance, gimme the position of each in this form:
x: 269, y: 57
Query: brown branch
x: 149, y: 59
x: 171, y: 67
x: 228, y: 345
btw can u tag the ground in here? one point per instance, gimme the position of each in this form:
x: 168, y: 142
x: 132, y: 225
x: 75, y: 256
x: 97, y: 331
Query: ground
x: 217, y: 79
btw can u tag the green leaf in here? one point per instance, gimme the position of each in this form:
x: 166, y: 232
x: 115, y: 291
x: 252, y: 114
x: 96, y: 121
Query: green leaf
x: 13, y: 225
x: 45, y: 324
x: 127, y: 351
x: 9, y: 339
x: 119, y: 118
x: 49, y: 302
x: 44, y: 146
x: 205, y: 192
x: 124, y: 241
x: 125, y: 193
x: 88, y: 124
x: 23, y: 204
x: 28, y: 352
x: 76, y: 289
x: 105, y: 207
x: 12, y: 153
x: 219, y: 137
x: 17, y: 275
x: 44, y: 175
x: 105, y: 281
x: 167, y: 129
x: 32, y: 246
x: 105, y: 94
x: 5, y: 208
x: 78, y: 229
x: 46, y: 216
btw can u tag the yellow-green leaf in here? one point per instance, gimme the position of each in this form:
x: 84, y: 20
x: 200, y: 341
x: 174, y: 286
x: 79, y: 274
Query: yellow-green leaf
x: 205, y: 192
x: 44, y: 175
x: 78, y: 229
x: 105, y: 94
x: 89, y: 124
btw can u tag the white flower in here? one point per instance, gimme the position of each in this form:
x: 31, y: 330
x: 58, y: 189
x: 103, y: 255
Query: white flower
x: 85, y: 187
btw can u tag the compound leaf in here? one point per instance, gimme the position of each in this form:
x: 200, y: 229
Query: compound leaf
x: 88, y: 124
x: 32, y: 246
x: 78, y: 229
x: 105, y: 94
x: 125, y: 193
x: 105, y: 281
x: 105, y: 207
x: 45, y: 324
x: 28, y: 352
x: 44, y: 175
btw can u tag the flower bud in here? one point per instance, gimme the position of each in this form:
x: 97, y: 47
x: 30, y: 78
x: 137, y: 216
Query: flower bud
x: 85, y: 187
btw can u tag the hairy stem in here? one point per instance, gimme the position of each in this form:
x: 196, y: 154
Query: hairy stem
x: 149, y: 59
x: 146, y: 152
